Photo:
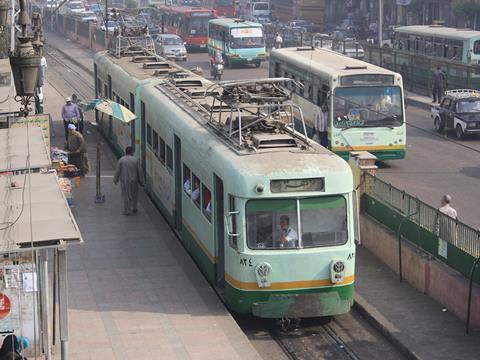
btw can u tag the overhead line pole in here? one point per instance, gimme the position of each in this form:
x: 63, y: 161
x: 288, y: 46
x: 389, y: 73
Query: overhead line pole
x: 380, y: 23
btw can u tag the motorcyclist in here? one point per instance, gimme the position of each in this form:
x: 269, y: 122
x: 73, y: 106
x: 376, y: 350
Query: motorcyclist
x: 216, y: 59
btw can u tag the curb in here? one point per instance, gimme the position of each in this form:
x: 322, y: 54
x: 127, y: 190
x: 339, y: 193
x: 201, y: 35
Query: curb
x: 418, y: 104
x: 385, y: 327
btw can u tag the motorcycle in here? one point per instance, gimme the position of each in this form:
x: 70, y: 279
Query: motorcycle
x: 216, y: 70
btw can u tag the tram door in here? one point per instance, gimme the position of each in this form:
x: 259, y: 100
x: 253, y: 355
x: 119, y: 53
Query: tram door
x: 219, y: 229
x: 178, y: 183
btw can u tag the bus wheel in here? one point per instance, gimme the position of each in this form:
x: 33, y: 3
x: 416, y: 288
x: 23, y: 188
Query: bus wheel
x: 438, y: 125
x: 459, y: 132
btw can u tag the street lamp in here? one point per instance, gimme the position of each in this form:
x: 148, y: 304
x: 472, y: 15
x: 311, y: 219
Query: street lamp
x: 25, y: 62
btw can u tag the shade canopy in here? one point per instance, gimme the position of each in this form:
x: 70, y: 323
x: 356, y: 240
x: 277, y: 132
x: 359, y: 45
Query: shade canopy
x: 110, y: 108
x: 52, y: 224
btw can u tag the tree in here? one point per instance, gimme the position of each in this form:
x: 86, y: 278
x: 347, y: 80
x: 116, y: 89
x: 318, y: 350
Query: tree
x: 468, y: 11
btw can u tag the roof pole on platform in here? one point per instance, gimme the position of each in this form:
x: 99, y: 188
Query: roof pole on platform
x: 380, y: 23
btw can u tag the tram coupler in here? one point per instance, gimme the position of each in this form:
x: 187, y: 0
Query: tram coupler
x: 287, y: 324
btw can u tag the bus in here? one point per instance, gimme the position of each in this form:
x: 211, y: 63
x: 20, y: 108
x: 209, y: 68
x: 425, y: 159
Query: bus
x: 190, y: 23
x: 239, y: 41
x: 365, y: 102
x: 451, y: 44
x: 255, y: 10
x: 225, y: 8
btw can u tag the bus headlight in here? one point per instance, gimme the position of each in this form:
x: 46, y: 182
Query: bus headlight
x: 263, y: 273
x: 337, y: 271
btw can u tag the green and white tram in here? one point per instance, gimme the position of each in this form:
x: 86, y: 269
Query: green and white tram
x: 267, y: 214
x: 365, y: 102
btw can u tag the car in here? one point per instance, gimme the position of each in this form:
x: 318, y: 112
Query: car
x: 172, y: 46
x: 96, y: 8
x: 87, y: 16
x: 112, y: 25
x: 52, y: 3
x: 75, y: 7
x: 459, y: 111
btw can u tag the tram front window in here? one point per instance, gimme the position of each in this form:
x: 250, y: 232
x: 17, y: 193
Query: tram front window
x: 273, y: 223
x: 367, y: 106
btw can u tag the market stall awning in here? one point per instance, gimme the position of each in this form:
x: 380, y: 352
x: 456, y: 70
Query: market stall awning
x: 15, y: 144
x: 52, y: 222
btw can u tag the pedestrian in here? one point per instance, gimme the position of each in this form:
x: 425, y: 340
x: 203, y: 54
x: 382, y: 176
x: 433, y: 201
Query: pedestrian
x: 446, y: 208
x: 278, y: 41
x: 11, y: 349
x: 438, y: 84
x: 77, y: 152
x: 130, y: 175
x: 76, y: 101
x: 321, y: 125
x: 70, y: 114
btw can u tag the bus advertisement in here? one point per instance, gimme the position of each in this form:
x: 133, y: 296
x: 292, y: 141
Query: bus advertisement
x: 239, y: 41
x: 191, y: 24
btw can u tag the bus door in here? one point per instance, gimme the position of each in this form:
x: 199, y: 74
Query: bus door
x: 144, y: 139
x: 178, y: 183
x: 219, y: 218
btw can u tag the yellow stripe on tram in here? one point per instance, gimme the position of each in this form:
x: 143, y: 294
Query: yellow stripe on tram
x: 287, y: 285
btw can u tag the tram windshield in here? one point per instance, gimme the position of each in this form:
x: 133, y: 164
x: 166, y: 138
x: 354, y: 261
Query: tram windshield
x: 274, y: 223
x: 367, y: 106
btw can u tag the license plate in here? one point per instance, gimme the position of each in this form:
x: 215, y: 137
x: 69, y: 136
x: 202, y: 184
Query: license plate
x: 203, y: 45
x: 250, y: 59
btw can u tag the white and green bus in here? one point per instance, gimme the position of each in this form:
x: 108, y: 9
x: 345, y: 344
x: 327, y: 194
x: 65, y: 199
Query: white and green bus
x: 451, y: 44
x: 365, y: 102
x: 239, y: 41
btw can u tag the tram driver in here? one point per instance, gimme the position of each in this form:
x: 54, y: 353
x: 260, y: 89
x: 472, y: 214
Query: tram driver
x: 288, y: 236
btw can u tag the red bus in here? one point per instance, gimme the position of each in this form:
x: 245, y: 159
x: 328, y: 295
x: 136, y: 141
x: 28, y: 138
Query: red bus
x: 223, y: 7
x: 191, y: 24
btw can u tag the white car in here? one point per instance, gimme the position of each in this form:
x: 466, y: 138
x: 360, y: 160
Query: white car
x: 87, y: 16
x: 172, y: 46
x: 112, y: 25
x: 75, y: 7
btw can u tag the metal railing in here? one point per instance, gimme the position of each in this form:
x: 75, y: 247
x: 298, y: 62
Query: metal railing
x: 429, y: 218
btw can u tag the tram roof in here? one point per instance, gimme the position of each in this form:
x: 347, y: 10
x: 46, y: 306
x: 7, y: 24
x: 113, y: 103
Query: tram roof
x: 439, y: 31
x: 234, y: 23
x: 320, y: 61
x: 183, y: 9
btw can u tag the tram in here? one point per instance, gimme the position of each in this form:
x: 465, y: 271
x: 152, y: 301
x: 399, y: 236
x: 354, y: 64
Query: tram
x: 365, y: 103
x: 268, y: 215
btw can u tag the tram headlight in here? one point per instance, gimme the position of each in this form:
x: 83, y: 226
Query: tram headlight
x: 337, y: 271
x: 259, y: 188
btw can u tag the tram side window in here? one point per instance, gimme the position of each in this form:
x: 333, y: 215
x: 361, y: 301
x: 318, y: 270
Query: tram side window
x: 149, y: 135
x: 476, y: 47
x: 162, y: 151
x: 207, y: 203
x: 169, y: 159
x: 187, y: 181
x: 195, y: 190
x: 155, y: 143
x: 232, y: 209
x: 99, y: 86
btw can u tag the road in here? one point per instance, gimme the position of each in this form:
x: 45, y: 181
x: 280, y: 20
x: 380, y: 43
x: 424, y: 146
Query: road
x: 434, y: 165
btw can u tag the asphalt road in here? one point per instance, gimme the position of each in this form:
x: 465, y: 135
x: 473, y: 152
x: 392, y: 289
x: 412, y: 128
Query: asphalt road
x: 435, y: 164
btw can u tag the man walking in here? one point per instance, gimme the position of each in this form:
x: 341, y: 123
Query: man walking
x: 70, y: 114
x: 77, y: 152
x: 321, y: 125
x: 446, y: 208
x: 130, y: 175
x: 438, y: 84
x: 278, y: 41
x: 76, y: 101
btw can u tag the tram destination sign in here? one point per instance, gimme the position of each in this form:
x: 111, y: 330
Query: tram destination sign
x: 297, y: 185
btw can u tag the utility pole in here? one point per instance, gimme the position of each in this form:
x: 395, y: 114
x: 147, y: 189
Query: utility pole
x: 380, y: 23
x: 106, y: 21
x: 12, y: 32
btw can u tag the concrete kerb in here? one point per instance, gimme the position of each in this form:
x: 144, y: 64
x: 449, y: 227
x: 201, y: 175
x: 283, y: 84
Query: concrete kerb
x: 418, y: 103
x: 379, y: 322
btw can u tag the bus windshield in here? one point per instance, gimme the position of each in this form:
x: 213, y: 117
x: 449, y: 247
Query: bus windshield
x: 198, y: 26
x: 367, y: 106
x: 274, y: 223
x: 242, y: 38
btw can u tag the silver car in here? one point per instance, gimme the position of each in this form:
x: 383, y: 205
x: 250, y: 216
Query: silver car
x: 171, y: 46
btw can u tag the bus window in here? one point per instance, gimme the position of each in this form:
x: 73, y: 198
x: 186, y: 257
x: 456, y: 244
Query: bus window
x: 169, y: 158
x: 162, y: 151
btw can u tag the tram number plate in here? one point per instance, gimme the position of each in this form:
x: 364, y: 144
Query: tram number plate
x: 202, y: 45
